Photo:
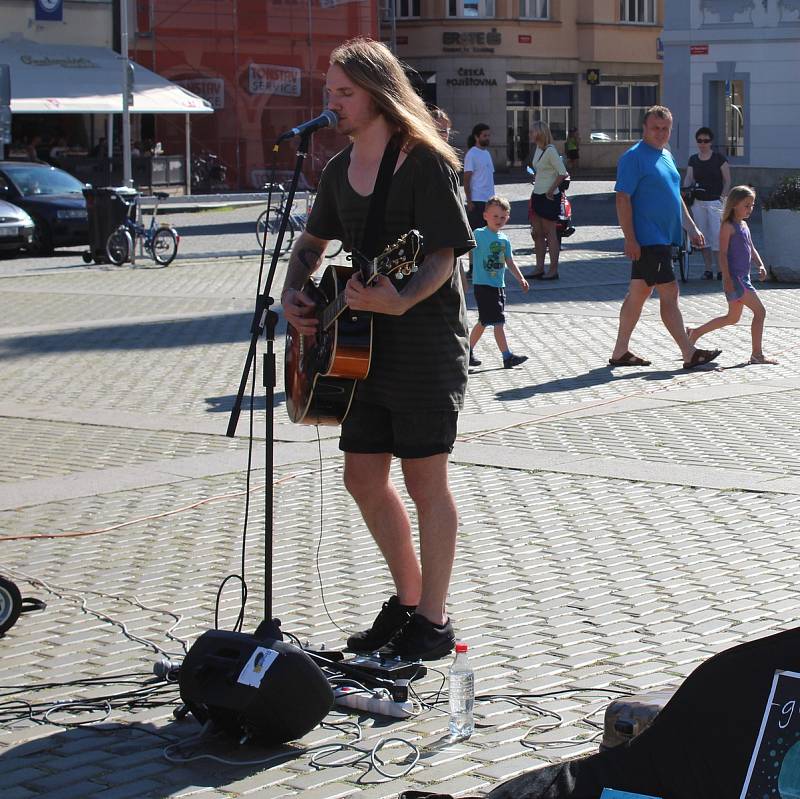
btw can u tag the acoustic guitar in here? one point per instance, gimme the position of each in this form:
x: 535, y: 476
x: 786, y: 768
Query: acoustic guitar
x: 321, y: 369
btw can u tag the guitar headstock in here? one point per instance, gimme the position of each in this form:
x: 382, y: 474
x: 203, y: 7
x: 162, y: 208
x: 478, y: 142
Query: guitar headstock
x: 401, y: 257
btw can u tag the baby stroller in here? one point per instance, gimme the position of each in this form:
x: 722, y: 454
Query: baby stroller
x: 564, y: 226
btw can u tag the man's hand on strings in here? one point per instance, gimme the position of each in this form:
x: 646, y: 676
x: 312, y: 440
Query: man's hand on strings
x: 380, y: 296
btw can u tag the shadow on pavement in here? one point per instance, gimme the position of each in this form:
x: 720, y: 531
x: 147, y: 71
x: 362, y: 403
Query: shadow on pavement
x: 594, y: 377
x: 224, y: 404
x: 132, y: 748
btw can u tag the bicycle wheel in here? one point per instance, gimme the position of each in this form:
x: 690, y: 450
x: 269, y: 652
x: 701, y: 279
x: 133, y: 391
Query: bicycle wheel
x: 165, y: 246
x: 119, y: 246
x: 268, y: 223
x: 335, y: 250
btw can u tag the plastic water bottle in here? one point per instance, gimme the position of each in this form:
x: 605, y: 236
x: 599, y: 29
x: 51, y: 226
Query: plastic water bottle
x: 461, y: 687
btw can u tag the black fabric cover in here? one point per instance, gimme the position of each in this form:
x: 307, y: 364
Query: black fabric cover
x: 698, y: 747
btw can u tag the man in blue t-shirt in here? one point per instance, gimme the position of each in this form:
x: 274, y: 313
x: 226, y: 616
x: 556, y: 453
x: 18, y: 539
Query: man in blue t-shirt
x: 651, y: 213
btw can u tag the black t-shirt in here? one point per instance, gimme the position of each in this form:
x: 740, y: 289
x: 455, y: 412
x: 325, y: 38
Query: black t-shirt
x: 419, y: 359
x: 708, y: 175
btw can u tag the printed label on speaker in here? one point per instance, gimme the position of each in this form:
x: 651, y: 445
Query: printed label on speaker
x: 258, y: 665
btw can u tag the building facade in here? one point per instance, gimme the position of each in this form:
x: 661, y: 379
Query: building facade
x: 594, y: 66
x: 733, y: 65
x: 260, y: 63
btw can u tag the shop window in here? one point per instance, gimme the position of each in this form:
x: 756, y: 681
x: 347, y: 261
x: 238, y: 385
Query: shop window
x: 641, y: 11
x: 617, y: 111
x: 406, y: 9
x: 470, y: 8
x: 534, y: 9
x: 728, y: 115
x: 551, y: 103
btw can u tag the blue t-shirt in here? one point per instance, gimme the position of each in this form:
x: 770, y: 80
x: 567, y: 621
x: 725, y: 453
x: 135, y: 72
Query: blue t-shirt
x: 489, y: 257
x: 653, y: 182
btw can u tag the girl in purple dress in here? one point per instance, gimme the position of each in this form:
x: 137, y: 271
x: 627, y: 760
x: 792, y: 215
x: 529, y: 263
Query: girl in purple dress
x: 736, y: 252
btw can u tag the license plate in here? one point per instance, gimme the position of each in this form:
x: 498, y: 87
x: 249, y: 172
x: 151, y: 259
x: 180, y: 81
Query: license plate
x: 9, y: 231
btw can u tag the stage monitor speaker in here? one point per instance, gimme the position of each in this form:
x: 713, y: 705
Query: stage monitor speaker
x: 265, y: 690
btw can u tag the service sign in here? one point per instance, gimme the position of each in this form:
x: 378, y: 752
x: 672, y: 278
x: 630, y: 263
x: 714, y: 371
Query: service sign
x: 274, y: 79
x: 49, y: 10
x: 211, y: 89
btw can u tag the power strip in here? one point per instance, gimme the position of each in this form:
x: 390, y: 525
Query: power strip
x: 358, y: 699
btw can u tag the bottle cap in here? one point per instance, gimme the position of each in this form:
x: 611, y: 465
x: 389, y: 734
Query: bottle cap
x: 461, y: 647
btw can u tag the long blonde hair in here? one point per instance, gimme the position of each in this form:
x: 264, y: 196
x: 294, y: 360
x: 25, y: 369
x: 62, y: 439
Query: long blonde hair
x: 735, y: 196
x: 541, y: 129
x: 373, y: 67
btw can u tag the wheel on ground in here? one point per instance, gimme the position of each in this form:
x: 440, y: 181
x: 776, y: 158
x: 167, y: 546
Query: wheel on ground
x: 684, y: 264
x: 10, y: 604
x: 165, y: 246
x: 269, y: 223
x: 119, y: 246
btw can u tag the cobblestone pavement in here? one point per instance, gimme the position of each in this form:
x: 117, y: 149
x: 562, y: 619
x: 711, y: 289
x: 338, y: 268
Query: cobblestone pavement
x: 617, y: 526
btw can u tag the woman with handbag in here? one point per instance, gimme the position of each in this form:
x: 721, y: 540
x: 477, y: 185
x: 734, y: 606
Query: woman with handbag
x: 551, y: 175
x: 709, y: 178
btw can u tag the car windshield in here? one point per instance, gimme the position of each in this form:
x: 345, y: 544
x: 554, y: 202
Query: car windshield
x: 35, y: 180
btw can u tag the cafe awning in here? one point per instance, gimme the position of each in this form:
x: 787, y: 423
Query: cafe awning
x: 72, y: 79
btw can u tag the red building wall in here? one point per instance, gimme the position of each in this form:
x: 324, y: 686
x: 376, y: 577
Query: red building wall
x: 262, y: 64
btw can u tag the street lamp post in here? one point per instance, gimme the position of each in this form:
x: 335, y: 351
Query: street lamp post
x: 127, y: 95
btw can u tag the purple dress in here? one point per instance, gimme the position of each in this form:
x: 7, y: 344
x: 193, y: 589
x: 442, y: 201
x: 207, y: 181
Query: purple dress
x: 739, y: 255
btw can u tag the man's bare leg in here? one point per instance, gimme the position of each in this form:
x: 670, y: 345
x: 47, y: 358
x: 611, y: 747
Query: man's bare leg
x: 672, y: 318
x: 629, y: 313
x: 366, y: 477
x: 427, y: 484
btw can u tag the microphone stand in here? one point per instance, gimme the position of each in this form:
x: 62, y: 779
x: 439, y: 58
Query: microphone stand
x: 265, y: 319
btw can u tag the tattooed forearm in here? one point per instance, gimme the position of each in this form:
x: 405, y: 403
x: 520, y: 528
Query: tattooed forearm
x: 436, y: 269
x: 305, y: 259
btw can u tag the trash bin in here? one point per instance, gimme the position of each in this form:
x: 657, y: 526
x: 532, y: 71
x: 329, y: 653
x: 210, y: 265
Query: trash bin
x: 107, y: 208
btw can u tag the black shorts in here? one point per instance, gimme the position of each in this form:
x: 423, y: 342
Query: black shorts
x: 491, y: 302
x: 573, y: 155
x: 654, y: 265
x: 372, y: 429
x: 546, y: 209
x: 475, y: 216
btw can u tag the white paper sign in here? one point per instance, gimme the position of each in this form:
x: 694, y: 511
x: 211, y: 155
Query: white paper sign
x: 258, y: 665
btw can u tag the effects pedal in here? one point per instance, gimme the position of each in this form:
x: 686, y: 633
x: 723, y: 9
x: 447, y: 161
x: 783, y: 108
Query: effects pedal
x: 387, y: 668
x: 378, y: 702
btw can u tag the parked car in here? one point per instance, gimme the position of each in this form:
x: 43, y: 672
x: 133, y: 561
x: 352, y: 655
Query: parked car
x: 53, y: 198
x: 16, y: 229
x: 598, y: 135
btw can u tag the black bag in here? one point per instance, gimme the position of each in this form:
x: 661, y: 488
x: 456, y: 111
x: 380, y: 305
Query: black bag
x: 564, y: 185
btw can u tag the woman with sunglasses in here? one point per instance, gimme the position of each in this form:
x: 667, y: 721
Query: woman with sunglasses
x: 709, y: 176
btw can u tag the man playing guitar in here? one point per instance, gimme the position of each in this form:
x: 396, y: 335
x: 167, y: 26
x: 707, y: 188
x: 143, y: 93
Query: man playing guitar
x: 408, y: 405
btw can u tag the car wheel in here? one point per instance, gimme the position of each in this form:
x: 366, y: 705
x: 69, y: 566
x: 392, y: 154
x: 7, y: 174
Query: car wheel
x: 42, y: 243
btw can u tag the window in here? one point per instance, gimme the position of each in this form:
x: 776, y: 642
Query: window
x: 617, y: 111
x: 549, y: 102
x: 642, y: 11
x: 533, y: 9
x: 728, y: 115
x: 470, y: 8
x: 406, y: 9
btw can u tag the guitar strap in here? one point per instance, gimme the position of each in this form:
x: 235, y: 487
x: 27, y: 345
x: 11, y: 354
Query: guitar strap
x: 371, y: 243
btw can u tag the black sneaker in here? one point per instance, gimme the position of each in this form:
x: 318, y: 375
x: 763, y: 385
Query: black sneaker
x: 473, y: 361
x: 708, y: 275
x: 514, y: 360
x: 392, y: 618
x: 421, y: 639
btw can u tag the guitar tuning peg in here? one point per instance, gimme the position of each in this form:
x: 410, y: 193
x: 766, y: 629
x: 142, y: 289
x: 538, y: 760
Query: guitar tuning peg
x: 398, y: 275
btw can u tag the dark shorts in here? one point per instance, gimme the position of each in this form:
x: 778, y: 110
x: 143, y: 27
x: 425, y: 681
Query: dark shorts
x: 546, y: 209
x: 372, y: 429
x: 491, y: 302
x: 573, y: 155
x: 654, y: 265
x: 475, y: 216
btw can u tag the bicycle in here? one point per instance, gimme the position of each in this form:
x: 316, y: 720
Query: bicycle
x: 680, y: 256
x: 269, y: 222
x: 160, y: 242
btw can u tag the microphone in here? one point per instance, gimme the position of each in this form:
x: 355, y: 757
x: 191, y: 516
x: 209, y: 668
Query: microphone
x: 325, y: 119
